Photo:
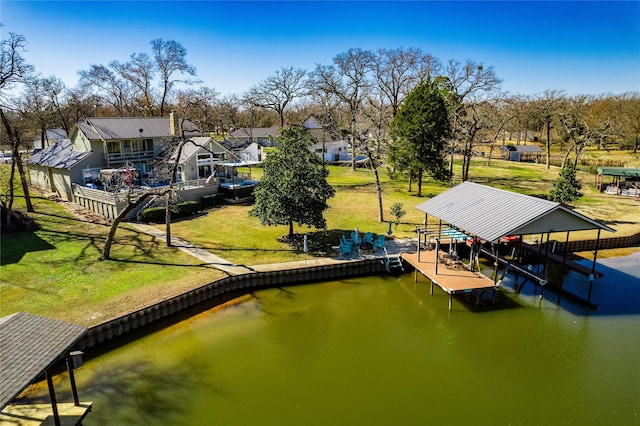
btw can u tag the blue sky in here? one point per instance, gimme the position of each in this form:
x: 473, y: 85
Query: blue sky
x: 580, y: 47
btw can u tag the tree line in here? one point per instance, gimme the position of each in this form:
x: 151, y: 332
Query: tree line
x: 402, y: 107
x: 359, y: 92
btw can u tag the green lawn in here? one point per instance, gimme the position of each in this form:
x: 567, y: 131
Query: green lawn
x: 55, y: 272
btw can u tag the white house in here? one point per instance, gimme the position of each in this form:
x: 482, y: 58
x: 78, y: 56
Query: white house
x: 246, y: 151
x: 328, y: 146
x: 201, y: 157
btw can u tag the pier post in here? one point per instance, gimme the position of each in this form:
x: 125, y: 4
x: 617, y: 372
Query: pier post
x: 435, y: 266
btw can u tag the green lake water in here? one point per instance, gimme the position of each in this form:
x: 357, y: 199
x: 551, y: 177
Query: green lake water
x: 383, y: 351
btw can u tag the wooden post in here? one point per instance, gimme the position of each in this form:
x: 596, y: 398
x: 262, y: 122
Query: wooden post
x: 495, y: 265
x: 450, y: 300
x: 593, y: 268
x: 52, y: 395
x: 72, y: 381
x: 435, y: 266
x: 418, y: 237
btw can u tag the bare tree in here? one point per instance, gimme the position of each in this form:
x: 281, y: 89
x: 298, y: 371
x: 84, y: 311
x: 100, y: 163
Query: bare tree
x: 629, y: 117
x: 501, y: 114
x: 14, y: 71
x: 469, y: 84
x: 139, y: 71
x: 170, y: 58
x: 279, y: 90
x: 349, y: 80
x: 200, y: 105
x: 397, y: 71
x: 106, y: 83
x: 547, y: 108
x: 582, y: 129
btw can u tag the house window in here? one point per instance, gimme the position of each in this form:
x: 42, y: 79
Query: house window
x: 113, y: 147
x: 204, y: 171
x: 126, y: 147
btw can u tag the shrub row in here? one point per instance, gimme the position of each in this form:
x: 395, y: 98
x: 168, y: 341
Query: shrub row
x: 157, y: 214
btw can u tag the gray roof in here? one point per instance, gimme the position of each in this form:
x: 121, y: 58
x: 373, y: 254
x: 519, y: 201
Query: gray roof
x: 191, y: 149
x: 29, y: 344
x: 60, y: 155
x: 255, y: 132
x: 235, y: 145
x: 491, y: 213
x: 108, y: 128
x: 522, y: 148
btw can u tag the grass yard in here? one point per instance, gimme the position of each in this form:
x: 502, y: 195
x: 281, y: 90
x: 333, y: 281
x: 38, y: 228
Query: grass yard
x: 55, y: 272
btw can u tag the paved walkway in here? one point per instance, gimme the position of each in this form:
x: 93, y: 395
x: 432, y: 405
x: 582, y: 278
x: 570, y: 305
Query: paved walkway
x: 393, y: 247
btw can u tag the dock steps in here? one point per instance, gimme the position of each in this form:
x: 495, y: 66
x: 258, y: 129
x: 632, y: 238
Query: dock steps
x: 392, y: 263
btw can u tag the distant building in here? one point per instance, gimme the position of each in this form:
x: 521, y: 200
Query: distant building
x: 48, y: 138
x: 525, y: 153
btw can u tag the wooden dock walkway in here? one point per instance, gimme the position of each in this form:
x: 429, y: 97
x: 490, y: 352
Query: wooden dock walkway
x: 452, y: 279
x: 42, y: 414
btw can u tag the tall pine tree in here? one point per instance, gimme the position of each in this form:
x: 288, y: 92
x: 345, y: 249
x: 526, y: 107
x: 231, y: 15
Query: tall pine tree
x: 419, y: 131
x: 567, y: 188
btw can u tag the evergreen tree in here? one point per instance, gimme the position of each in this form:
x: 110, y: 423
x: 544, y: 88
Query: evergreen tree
x: 419, y: 131
x: 567, y: 187
x: 294, y: 186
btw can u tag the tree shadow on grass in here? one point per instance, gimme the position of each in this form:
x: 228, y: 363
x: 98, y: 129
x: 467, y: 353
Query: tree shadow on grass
x: 14, y: 246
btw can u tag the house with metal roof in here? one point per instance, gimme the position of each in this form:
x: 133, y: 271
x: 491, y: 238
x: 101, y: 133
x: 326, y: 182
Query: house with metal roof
x: 57, y: 167
x: 104, y: 143
x: 200, y: 157
x: 244, y: 150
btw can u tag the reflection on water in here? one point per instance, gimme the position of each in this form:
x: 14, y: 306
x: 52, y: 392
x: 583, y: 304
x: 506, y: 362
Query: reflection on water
x: 382, y: 351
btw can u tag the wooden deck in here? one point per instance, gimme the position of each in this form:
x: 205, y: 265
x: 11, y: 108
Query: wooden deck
x: 452, y: 279
x: 42, y: 414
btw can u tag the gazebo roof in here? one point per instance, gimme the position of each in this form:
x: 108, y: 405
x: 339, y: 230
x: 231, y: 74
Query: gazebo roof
x: 29, y: 345
x: 619, y: 171
x: 491, y: 213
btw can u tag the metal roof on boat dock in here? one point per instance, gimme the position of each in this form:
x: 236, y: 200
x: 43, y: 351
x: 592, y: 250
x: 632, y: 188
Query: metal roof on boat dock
x: 491, y: 213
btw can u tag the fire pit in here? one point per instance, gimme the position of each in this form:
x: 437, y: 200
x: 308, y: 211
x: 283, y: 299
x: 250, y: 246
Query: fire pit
x: 366, y: 248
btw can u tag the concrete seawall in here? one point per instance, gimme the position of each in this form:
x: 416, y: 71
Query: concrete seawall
x: 238, y: 285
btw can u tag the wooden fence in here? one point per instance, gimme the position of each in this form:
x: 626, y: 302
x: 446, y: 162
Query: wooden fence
x: 110, y: 204
x: 590, y: 245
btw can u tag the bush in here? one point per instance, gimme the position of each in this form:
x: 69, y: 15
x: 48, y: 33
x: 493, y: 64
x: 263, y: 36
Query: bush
x: 158, y: 214
x: 211, y: 200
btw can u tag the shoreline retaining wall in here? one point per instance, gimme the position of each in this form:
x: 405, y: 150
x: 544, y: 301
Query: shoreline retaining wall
x: 237, y: 285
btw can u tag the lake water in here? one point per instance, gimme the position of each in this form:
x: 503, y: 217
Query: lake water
x: 383, y: 351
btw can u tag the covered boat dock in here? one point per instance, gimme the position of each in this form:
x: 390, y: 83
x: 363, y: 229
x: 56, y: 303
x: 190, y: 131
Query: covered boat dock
x: 483, y: 218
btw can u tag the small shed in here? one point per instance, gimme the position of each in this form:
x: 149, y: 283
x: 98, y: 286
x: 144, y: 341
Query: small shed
x: 30, y: 346
x: 531, y: 153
